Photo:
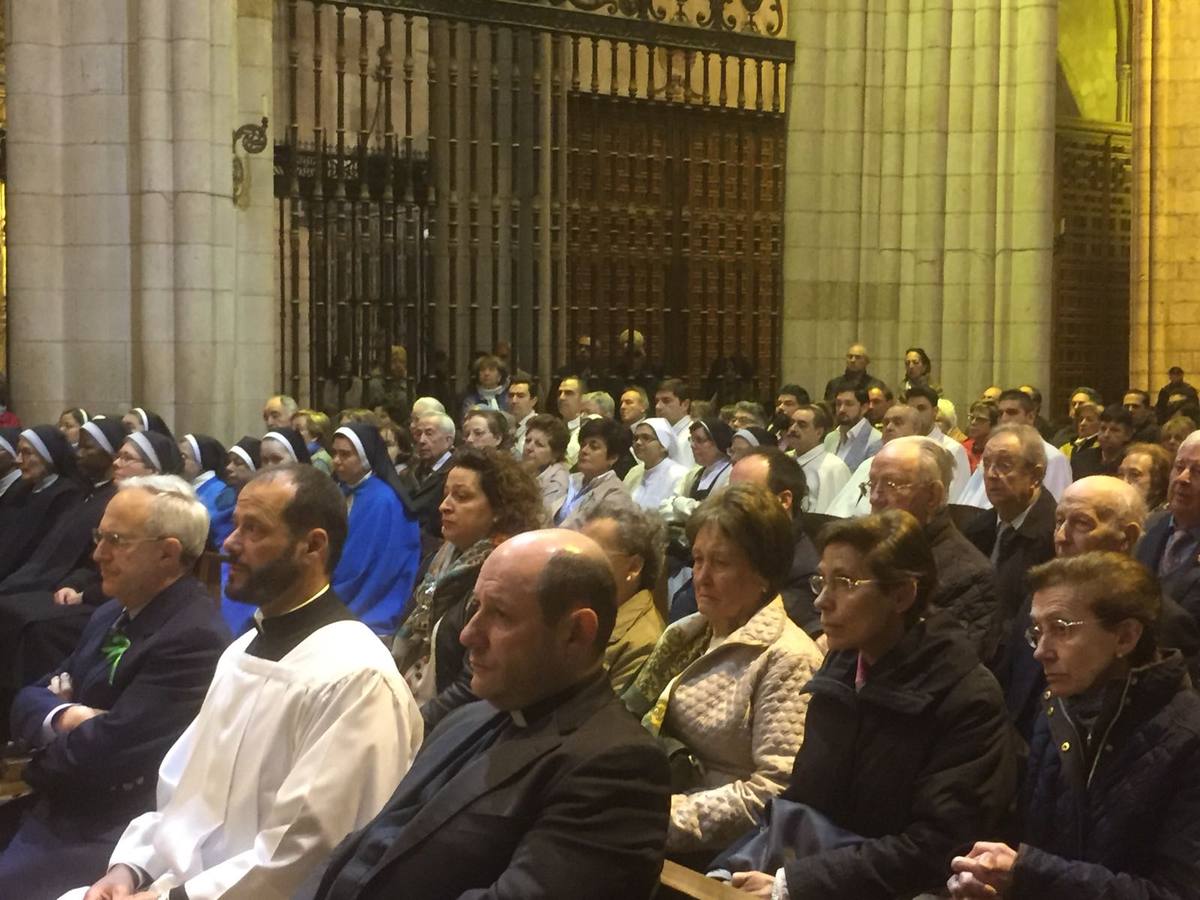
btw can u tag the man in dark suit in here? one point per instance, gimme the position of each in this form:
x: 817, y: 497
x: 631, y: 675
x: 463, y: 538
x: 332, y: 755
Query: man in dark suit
x: 1171, y: 547
x: 1018, y: 533
x: 433, y: 441
x: 99, y: 724
x: 545, y: 788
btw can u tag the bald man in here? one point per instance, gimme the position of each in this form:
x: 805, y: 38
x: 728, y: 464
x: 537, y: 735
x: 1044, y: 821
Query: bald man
x: 856, y: 376
x: 854, y: 499
x: 1099, y: 512
x: 915, y: 474
x: 547, y: 787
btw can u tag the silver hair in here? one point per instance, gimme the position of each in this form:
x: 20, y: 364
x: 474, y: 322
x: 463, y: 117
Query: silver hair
x: 444, y: 423
x: 936, y: 462
x: 175, y: 512
x: 426, y: 405
x: 289, y: 404
x: 1033, y: 451
x: 602, y: 401
x: 750, y: 408
x: 1190, y: 441
x: 639, y: 532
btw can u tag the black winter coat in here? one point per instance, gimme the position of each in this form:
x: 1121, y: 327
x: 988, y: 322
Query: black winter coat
x: 921, y: 761
x: 1116, y: 817
x: 966, y: 584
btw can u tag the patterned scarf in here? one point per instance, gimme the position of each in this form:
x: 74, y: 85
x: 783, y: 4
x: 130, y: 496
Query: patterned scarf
x: 677, y: 649
x: 412, y: 641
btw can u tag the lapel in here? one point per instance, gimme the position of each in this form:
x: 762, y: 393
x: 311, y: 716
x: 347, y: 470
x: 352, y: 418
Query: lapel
x: 493, y: 769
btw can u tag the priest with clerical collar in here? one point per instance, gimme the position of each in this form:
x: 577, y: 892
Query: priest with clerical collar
x: 305, y: 732
x: 544, y: 788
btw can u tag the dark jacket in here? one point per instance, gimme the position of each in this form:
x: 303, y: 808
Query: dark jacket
x: 966, y: 585
x: 1088, y: 460
x: 1117, y: 816
x: 31, y: 519
x: 798, y: 597
x: 1032, y: 544
x: 426, y: 494
x: 66, y: 549
x: 920, y: 762
x: 1023, y: 681
x: 1183, y: 584
x: 452, y: 607
x: 851, y: 381
x: 104, y: 772
x: 573, y: 805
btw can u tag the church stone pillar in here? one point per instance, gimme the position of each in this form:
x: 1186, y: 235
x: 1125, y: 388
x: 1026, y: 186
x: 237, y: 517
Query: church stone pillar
x: 125, y: 275
x: 1165, y: 318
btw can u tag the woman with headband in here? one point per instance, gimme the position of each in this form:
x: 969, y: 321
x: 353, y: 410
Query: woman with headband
x: 48, y: 490
x: 147, y: 453
x: 203, y: 460
x: 70, y: 422
x: 10, y: 472
x: 242, y: 462
x: 139, y: 419
x: 282, y: 446
x: 383, y: 547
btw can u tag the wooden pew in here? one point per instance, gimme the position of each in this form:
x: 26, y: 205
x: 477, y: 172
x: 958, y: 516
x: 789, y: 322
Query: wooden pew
x: 678, y: 883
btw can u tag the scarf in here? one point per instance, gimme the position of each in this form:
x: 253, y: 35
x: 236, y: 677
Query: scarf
x: 490, y: 397
x: 412, y: 644
x: 677, y: 649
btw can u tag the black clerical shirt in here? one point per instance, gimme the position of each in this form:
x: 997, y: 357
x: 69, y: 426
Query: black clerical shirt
x: 280, y: 635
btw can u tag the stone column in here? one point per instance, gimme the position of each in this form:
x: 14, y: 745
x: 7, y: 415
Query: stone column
x: 1165, y: 318
x: 920, y: 188
x: 123, y: 275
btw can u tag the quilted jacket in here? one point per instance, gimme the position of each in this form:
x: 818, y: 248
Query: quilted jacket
x: 1115, y: 813
x: 740, y: 709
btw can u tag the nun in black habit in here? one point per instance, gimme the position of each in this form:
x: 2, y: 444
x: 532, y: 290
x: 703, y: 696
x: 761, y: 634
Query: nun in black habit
x: 49, y: 488
x: 139, y: 419
x: 45, y: 604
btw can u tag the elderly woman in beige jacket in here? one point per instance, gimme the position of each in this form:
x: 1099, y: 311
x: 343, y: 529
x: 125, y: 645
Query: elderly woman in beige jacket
x: 635, y: 542
x: 722, y: 689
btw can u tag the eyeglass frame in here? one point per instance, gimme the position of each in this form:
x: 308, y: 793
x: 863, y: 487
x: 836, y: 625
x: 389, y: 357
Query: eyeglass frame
x: 817, y: 583
x: 1034, y: 633
x: 116, y: 540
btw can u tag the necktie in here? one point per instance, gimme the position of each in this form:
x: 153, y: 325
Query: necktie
x: 1004, y: 535
x: 116, y: 642
x: 1180, y: 547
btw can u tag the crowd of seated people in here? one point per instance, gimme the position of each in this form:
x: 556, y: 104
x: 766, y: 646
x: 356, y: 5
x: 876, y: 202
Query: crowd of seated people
x: 475, y: 646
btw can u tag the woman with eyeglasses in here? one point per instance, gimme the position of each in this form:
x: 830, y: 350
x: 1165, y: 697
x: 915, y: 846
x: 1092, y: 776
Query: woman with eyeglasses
x: 1111, y: 799
x: 907, y: 752
x: 722, y: 689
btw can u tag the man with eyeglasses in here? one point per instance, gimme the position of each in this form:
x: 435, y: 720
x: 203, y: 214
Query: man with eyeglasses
x: 1018, y: 533
x: 854, y: 498
x: 1098, y: 513
x: 304, y: 733
x: 1171, y: 547
x: 99, y: 723
x: 914, y: 474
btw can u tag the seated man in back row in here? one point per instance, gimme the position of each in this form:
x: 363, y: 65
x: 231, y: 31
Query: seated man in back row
x: 547, y: 787
x: 305, y: 732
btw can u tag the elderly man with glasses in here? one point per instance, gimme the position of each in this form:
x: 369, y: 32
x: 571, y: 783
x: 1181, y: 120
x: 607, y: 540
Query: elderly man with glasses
x: 98, y: 725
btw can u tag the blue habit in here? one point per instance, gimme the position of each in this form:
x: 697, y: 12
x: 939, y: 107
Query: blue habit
x: 379, y: 563
x: 219, y: 499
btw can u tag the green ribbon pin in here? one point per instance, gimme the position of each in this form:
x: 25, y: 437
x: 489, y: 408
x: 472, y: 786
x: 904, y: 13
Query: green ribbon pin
x: 113, y: 649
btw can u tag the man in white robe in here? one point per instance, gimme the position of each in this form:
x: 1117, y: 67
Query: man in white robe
x: 304, y: 734
x: 924, y: 400
x: 824, y: 474
x: 855, y: 498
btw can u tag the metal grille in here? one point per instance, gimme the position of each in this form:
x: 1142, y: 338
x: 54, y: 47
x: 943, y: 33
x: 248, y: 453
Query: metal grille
x: 1094, y: 200
x: 453, y: 174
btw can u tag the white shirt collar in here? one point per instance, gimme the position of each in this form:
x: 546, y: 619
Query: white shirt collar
x: 203, y: 478
x: 9, y: 480
x: 258, y: 616
x: 682, y: 425
x: 574, y: 424
x: 442, y: 460
x: 46, y: 482
x: 812, y: 455
x: 1019, y: 520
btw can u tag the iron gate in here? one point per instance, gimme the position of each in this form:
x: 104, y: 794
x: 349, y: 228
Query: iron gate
x: 454, y: 174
